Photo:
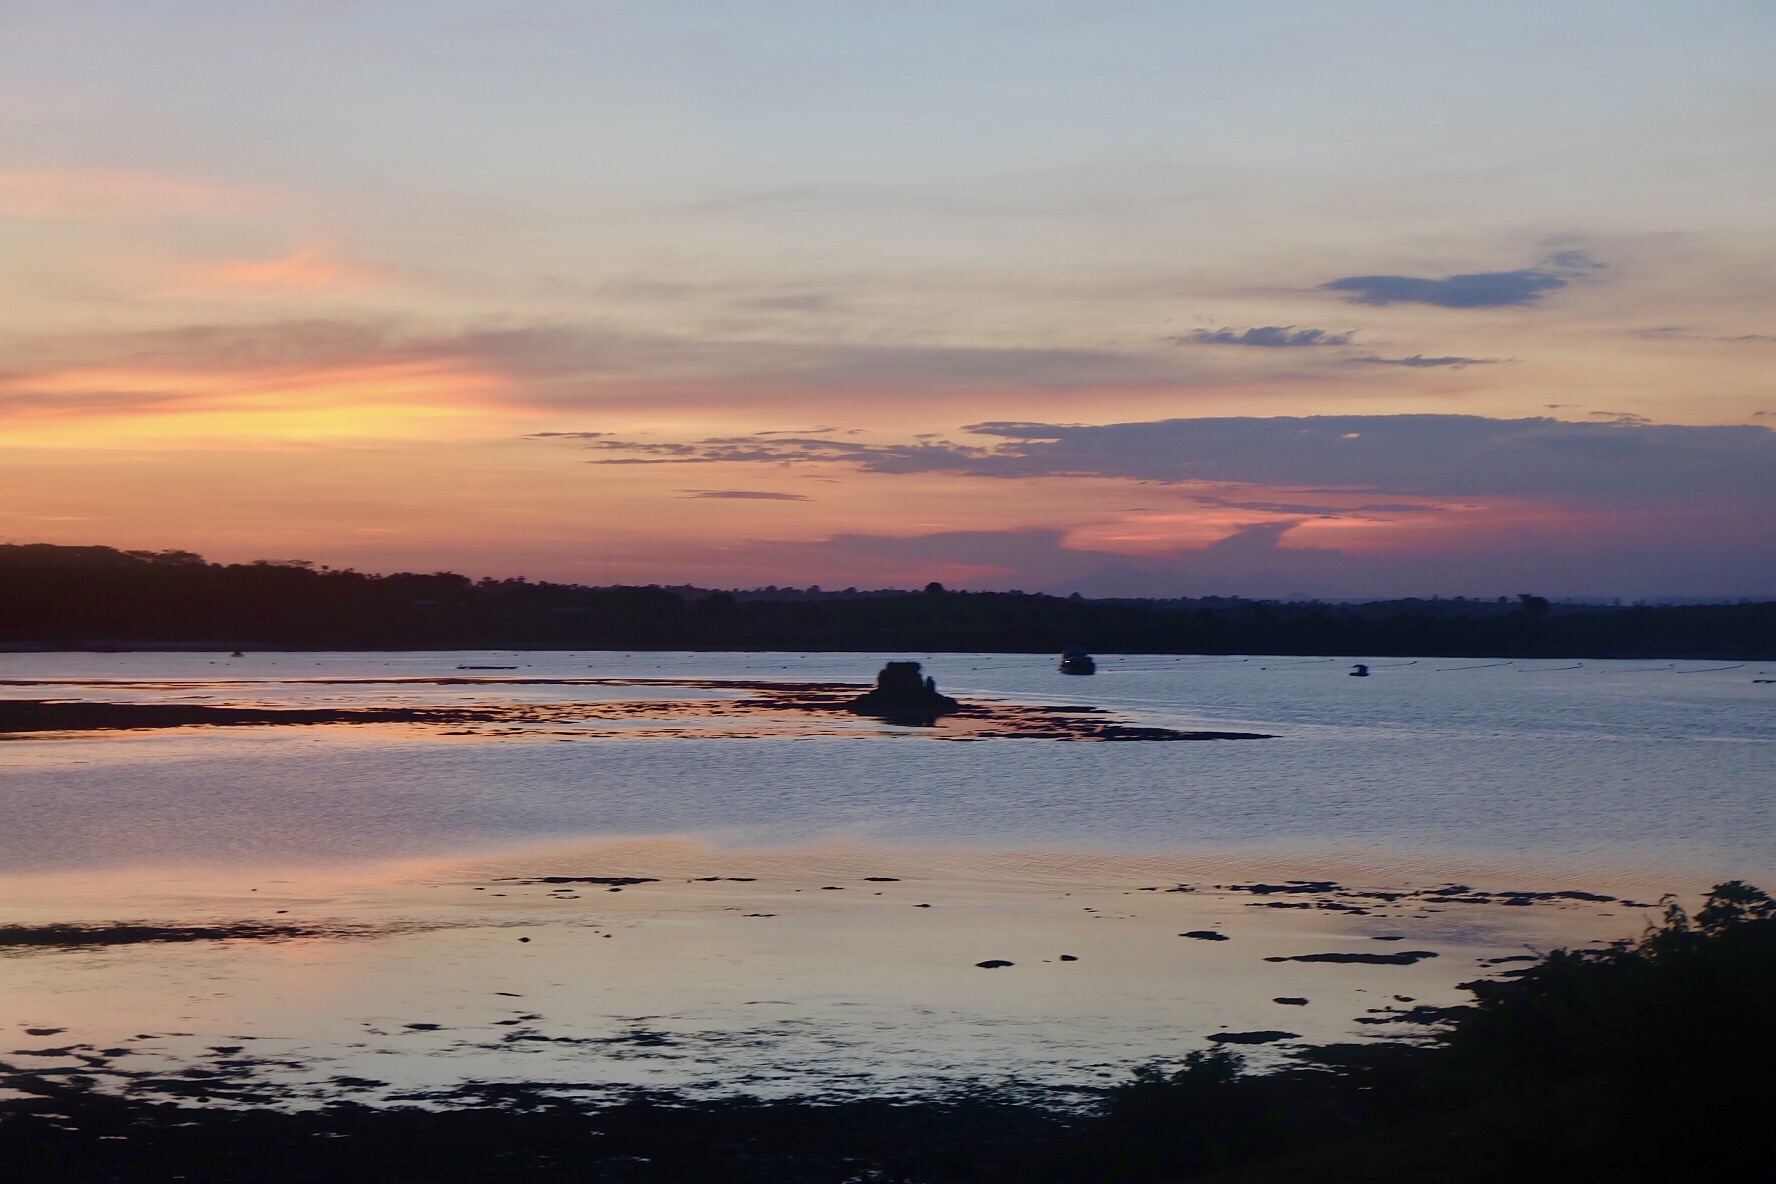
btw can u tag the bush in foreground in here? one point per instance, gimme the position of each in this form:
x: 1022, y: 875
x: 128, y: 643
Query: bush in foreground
x: 1644, y: 1060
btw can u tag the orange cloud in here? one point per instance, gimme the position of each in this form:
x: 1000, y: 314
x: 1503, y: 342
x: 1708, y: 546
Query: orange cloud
x: 1158, y: 533
x: 306, y: 269
x: 110, y: 406
x: 81, y: 194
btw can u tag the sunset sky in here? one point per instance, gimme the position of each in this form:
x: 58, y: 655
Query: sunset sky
x: 1166, y: 298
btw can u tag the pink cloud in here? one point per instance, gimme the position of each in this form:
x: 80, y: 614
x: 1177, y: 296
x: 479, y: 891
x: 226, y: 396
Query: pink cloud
x: 80, y: 194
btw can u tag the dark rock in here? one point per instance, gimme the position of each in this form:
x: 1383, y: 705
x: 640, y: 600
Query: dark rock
x: 1403, y: 958
x: 1266, y: 1037
x: 903, y: 696
x: 1291, y: 886
x: 1205, y: 935
x: 1290, y: 1000
x: 1069, y: 958
x: 1411, y: 1015
x: 994, y: 964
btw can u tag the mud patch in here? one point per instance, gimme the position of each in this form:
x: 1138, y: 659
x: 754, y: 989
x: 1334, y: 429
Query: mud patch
x: 123, y: 934
x: 757, y: 709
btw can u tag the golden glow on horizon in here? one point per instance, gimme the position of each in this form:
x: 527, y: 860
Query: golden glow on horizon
x: 110, y: 408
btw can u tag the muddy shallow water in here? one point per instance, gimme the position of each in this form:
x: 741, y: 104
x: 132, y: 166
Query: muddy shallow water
x: 838, y: 969
x: 801, y: 901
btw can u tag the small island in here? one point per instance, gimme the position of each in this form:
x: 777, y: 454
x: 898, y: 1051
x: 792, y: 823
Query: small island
x: 903, y: 695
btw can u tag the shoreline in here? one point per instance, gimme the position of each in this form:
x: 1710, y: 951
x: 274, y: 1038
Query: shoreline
x: 587, y: 970
x: 225, y: 649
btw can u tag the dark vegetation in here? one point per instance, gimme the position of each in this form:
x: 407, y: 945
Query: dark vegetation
x: 43, y: 715
x: 1640, y: 1061
x: 1645, y: 1060
x: 97, y: 596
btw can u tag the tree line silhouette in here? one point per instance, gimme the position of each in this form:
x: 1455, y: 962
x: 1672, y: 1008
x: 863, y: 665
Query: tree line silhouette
x: 104, y: 597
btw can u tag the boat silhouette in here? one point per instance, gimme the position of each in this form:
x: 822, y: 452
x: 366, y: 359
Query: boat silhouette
x: 1077, y: 661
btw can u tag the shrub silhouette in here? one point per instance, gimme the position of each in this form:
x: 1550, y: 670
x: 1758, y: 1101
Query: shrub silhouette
x: 1644, y: 1060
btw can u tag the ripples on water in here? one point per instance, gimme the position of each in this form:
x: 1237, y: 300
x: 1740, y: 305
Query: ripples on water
x: 1631, y: 766
x: 1632, y: 777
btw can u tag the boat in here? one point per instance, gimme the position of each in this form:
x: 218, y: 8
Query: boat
x: 1359, y: 671
x: 1077, y: 661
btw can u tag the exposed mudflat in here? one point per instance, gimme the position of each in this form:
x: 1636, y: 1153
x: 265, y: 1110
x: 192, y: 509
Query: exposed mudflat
x: 580, y: 973
x: 749, y: 708
x: 119, y: 933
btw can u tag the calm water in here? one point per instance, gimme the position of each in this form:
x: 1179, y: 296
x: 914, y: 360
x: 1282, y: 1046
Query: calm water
x: 771, y: 954
x: 1647, y: 769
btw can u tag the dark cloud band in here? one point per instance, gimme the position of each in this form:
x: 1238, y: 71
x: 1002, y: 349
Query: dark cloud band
x: 1412, y: 455
x: 1492, y: 289
x: 1265, y: 337
x: 754, y: 495
x: 1419, y: 361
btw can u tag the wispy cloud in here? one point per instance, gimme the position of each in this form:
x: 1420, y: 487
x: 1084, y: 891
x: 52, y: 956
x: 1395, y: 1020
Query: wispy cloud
x: 547, y: 359
x: 1416, y: 455
x: 1491, y: 289
x: 1319, y: 510
x: 1486, y: 289
x: 305, y: 269
x: 1265, y: 337
x: 1419, y: 361
x: 758, y: 495
x: 1676, y: 333
x: 75, y: 194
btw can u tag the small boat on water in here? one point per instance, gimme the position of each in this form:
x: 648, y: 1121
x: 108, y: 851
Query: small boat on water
x: 1077, y: 661
x: 1359, y: 671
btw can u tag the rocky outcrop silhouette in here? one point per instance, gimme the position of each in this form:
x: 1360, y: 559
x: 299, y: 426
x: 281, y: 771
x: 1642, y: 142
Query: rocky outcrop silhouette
x: 902, y: 695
